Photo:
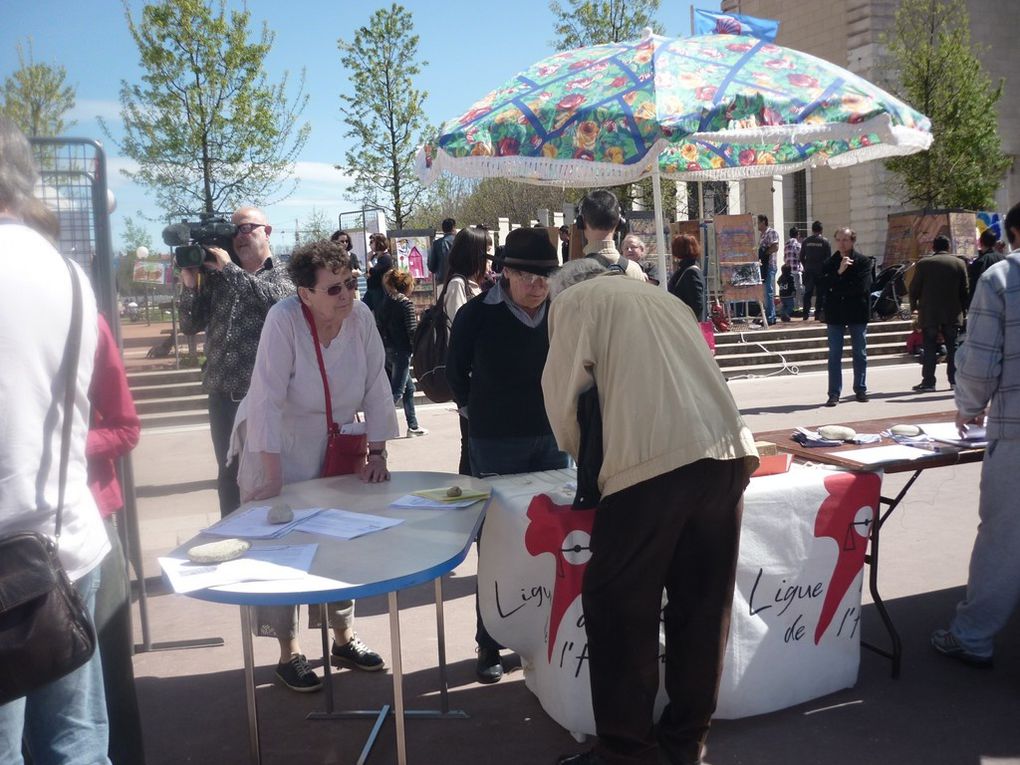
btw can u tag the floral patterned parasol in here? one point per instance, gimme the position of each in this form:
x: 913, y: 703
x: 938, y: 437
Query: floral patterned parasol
x: 715, y: 107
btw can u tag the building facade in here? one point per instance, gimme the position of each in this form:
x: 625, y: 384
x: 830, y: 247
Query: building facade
x: 848, y: 33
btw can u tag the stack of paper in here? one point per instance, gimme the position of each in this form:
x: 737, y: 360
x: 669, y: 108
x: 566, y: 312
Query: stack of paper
x: 258, y: 564
x: 442, y: 495
x: 976, y: 437
x: 253, y: 524
x: 415, y: 502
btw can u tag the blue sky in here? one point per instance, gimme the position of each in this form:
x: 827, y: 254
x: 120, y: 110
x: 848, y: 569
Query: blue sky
x: 471, y: 47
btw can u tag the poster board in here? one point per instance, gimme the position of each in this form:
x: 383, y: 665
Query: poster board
x: 910, y: 234
x: 736, y: 253
x: 410, y: 250
x: 150, y: 271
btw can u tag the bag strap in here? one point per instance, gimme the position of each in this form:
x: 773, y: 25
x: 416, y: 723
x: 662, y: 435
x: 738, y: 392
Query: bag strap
x: 331, y: 426
x: 72, y: 352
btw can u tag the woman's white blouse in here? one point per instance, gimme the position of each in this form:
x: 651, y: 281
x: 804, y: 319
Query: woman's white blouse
x: 285, y: 413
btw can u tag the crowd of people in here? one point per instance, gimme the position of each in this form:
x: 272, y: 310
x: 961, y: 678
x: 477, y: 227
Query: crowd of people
x: 550, y: 363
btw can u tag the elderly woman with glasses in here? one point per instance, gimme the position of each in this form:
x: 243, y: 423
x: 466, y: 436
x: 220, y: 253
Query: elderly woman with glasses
x: 282, y: 421
x: 498, y: 347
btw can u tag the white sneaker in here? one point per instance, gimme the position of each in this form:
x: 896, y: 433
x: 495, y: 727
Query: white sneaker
x: 411, y: 432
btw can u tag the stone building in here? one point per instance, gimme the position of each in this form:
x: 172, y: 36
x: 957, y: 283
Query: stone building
x: 848, y: 33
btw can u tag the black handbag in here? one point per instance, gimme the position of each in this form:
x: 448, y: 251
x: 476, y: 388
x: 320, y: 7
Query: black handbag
x: 45, y: 630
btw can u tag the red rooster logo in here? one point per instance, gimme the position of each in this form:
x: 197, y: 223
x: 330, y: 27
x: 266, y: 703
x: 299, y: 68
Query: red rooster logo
x: 845, y: 516
x: 565, y: 533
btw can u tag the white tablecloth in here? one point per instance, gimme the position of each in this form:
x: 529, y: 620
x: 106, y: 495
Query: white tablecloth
x: 794, y: 636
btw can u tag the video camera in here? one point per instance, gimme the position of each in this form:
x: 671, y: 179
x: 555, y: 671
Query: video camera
x: 190, y: 238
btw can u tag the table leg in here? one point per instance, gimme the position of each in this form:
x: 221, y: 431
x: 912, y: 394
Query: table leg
x: 249, y: 686
x: 896, y: 654
x: 398, y: 679
x: 327, y: 669
x: 444, y: 691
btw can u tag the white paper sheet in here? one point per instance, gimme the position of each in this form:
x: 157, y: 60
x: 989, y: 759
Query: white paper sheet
x: 412, y: 502
x: 344, y: 524
x: 258, y: 564
x: 948, y: 433
x: 252, y: 524
x: 880, y: 454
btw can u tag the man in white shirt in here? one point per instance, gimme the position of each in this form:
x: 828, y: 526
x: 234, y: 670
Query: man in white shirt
x: 65, y: 719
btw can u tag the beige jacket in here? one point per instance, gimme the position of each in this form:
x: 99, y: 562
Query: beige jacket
x: 664, y: 401
x: 608, y: 250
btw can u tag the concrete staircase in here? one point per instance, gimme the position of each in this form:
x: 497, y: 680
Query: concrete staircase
x: 168, y: 398
x: 801, y: 346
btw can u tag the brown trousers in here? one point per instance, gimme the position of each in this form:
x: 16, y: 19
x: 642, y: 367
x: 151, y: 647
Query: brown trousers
x: 679, y: 531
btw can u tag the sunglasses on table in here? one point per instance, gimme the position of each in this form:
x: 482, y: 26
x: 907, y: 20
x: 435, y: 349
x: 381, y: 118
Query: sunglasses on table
x: 334, y: 289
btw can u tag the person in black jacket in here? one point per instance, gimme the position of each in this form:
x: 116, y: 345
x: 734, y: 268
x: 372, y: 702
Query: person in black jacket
x: 846, y: 279
x: 379, y: 262
x: 396, y: 321
x: 498, y: 346
x: 687, y: 282
x: 814, y: 254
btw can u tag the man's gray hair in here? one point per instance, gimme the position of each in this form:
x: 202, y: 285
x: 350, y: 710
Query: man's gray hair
x: 17, y: 167
x: 574, y: 272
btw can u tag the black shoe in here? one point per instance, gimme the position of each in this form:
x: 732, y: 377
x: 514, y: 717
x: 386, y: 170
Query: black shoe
x: 945, y: 643
x: 297, y: 675
x: 488, y: 669
x: 356, y: 655
x: 923, y: 388
x: 584, y: 758
x: 861, y: 396
x: 833, y: 400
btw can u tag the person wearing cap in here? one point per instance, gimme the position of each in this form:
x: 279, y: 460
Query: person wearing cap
x: 498, y: 347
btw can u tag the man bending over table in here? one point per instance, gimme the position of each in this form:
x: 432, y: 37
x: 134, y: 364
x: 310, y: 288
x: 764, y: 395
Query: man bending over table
x: 988, y: 375
x: 676, y: 457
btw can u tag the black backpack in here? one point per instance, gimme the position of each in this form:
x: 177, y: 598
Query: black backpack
x: 428, y: 352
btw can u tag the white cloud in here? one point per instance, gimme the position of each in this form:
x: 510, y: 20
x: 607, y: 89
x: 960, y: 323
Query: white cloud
x: 86, y: 109
x: 321, y: 173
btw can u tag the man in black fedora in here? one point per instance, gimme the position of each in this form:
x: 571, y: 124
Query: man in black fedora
x: 498, y: 346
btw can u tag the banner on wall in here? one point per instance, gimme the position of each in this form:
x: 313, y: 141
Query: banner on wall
x: 795, y: 631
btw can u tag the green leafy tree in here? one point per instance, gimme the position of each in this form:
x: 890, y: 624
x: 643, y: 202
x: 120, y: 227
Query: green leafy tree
x: 580, y: 23
x: 208, y: 130
x: 384, y: 112
x: 36, y: 96
x: 316, y: 225
x: 940, y: 75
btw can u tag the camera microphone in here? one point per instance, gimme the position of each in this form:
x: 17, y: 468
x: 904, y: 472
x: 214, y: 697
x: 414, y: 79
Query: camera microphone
x: 177, y: 235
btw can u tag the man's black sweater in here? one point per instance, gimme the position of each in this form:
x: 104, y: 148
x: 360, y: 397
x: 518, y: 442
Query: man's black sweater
x: 494, y: 367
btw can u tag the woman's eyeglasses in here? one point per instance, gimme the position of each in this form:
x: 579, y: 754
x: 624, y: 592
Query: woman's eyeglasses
x: 334, y: 289
x: 247, y: 228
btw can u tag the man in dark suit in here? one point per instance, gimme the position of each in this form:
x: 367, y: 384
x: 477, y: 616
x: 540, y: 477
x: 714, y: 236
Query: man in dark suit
x: 987, y: 256
x: 939, y: 293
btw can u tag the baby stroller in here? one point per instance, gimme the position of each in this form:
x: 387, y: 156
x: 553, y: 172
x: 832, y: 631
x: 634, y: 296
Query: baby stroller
x: 887, y: 291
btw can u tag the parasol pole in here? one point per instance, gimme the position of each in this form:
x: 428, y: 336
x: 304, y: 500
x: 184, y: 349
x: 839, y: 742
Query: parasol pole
x: 660, y: 239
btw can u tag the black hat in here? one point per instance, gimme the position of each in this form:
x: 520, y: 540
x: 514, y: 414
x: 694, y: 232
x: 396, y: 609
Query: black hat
x: 529, y: 249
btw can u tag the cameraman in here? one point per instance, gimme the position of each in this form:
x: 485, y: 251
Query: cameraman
x: 230, y: 302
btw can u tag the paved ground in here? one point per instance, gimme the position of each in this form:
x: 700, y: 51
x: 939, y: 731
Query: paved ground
x: 937, y: 712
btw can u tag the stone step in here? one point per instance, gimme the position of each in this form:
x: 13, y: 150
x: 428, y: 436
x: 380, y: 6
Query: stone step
x: 164, y: 377
x: 820, y: 365
x: 803, y: 355
x: 174, y: 418
x: 166, y: 390
x: 171, y: 404
x: 798, y: 330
